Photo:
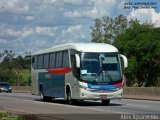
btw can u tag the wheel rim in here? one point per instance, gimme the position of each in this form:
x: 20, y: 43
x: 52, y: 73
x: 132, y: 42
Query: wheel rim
x: 69, y: 99
x: 41, y: 96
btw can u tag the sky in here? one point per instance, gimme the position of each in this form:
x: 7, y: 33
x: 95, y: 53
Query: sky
x: 30, y: 25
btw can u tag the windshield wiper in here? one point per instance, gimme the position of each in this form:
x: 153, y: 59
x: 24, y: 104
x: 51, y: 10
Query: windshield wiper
x: 103, y: 76
x: 109, y: 76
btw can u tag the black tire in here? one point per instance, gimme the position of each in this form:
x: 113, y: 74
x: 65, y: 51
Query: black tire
x: 42, y: 97
x: 69, y: 98
x: 70, y: 101
x: 105, y: 102
x: 9, y: 92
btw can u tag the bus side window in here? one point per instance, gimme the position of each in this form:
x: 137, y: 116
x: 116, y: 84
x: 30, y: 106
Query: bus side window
x: 40, y: 61
x: 73, y: 63
x: 59, y: 60
x: 46, y: 61
x: 65, y: 59
x: 34, y: 62
x: 52, y: 60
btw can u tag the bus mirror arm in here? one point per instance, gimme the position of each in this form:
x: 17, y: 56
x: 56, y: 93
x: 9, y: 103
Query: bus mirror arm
x: 124, y: 60
x: 77, y: 60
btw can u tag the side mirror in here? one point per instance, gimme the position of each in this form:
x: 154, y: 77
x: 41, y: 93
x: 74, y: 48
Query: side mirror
x: 124, y: 60
x: 77, y: 60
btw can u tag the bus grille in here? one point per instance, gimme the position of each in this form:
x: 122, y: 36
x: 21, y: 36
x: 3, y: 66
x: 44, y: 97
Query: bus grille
x: 102, y: 91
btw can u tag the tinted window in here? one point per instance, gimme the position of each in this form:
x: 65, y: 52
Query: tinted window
x: 59, y: 60
x: 4, y: 84
x: 46, y: 61
x: 76, y: 71
x: 65, y: 59
x: 72, y: 55
x: 34, y: 62
x: 52, y: 60
x: 40, y: 61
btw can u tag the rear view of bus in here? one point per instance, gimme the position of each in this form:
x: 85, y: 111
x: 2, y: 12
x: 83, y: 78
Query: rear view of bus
x: 95, y: 73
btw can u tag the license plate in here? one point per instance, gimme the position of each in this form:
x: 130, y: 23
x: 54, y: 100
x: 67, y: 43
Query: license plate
x: 102, y: 97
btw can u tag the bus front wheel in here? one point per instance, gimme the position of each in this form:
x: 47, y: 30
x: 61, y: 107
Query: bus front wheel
x: 105, y: 102
x: 69, y: 98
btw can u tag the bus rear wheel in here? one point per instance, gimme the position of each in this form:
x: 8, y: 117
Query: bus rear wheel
x: 44, y: 98
x: 105, y: 102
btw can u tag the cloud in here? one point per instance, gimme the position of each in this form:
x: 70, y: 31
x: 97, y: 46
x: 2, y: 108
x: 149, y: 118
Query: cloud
x: 26, y: 32
x: 14, y: 6
x: 75, y: 2
x: 146, y: 15
x: 71, y: 14
x: 72, y: 29
x: 72, y: 34
x: 29, y: 18
x: 17, y: 33
x: 104, y: 7
x: 96, y: 9
x: 44, y: 23
x: 44, y: 31
x: 3, y: 41
x: 11, y: 32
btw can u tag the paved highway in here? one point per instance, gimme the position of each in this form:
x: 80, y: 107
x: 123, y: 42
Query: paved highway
x: 26, y: 103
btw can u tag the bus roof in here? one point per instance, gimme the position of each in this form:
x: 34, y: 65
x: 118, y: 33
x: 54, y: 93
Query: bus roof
x: 83, y: 47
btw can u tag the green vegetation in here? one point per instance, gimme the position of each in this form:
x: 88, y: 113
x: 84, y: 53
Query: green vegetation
x: 139, y: 42
x: 26, y: 73
x: 11, y: 116
x: 15, y: 70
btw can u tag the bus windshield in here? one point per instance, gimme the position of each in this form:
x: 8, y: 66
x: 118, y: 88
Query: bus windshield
x: 100, y: 68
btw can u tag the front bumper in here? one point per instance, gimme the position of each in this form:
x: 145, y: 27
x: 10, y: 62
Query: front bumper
x: 87, y: 95
x: 5, y: 90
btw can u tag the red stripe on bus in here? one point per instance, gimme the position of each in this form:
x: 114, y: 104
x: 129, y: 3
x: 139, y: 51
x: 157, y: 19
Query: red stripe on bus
x: 60, y: 70
x: 119, y: 84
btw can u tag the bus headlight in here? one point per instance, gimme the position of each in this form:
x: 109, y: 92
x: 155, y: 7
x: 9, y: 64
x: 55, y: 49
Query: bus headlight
x: 83, y: 87
x: 120, y: 88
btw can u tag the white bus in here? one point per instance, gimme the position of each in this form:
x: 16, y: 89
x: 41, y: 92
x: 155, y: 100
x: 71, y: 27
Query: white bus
x: 78, y: 71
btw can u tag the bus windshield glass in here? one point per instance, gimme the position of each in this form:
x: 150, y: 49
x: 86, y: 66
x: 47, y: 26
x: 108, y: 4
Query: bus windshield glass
x: 100, y: 68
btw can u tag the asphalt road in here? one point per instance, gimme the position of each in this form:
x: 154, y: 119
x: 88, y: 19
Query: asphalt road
x: 58, y: 108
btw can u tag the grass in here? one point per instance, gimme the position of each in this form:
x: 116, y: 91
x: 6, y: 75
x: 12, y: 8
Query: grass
x: 10, y: 116
x: 26, y: 75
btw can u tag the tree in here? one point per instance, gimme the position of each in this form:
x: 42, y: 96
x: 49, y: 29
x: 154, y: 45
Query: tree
x: 97, y: 31
x: 11, y: 68
x: 141, y: 44
x: 108, y: 28
x: 120, y: 25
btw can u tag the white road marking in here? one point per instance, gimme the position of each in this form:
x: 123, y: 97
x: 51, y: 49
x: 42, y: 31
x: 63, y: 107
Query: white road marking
x: 133, y: 105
